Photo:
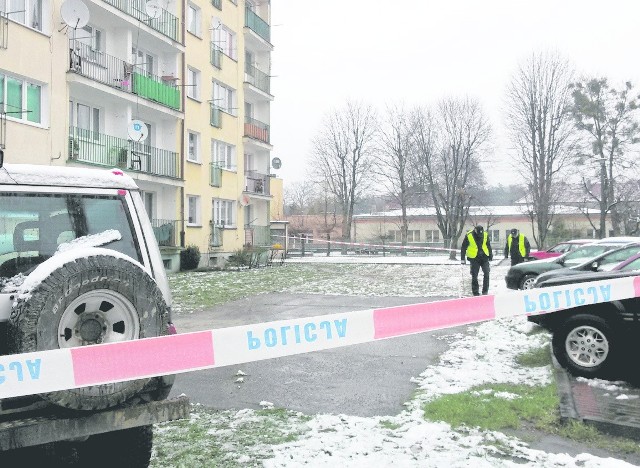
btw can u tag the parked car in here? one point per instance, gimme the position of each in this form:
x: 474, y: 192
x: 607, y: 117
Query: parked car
x: 523, y: 275
x: 605, y: 262
x: 558, y: 249
x: 594, y: 340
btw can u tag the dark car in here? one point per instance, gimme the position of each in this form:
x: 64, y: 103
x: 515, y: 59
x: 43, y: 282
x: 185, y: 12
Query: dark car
x: 523, y: 275
x: 595, y: 340
x: 607, y: 261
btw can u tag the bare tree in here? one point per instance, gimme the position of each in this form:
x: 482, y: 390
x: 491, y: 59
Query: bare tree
x: 608, y: 118
x: 343, y: 155
x: 299, y: 196
x: 448, y: 161
x: 396, y: 144
x: 539, y: 120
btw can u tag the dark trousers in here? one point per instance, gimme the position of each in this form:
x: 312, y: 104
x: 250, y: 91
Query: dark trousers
x: 475, y: 269
x: 516, y: 260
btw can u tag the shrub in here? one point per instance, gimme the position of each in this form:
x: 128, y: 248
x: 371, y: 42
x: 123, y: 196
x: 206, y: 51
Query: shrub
x: 190, y: 258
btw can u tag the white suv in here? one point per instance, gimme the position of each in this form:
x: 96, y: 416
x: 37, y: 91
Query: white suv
x: 79, y: 265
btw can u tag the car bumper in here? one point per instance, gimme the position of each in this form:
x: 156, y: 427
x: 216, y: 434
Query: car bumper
x: 512, y: 282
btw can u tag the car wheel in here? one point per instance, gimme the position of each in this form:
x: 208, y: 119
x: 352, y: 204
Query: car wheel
x: 527, y: 281
x: 585, y: 345
x: 93, y: 300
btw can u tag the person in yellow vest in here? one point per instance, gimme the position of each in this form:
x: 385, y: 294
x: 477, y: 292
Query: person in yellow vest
x: 477, y: 248
x: 517, y: 246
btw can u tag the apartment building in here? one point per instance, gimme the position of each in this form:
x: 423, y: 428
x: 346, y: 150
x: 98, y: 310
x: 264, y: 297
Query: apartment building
x: 174, y: 92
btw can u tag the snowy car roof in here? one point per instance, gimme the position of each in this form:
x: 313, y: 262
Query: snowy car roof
x: 60, y: 176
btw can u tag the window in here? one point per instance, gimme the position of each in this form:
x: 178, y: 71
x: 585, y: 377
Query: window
x: 148, y: 198
x: 494, y: 235
x: 226, y: 40
x: 143, y: 61
x: 27, y: 12
x: 432, y: 235
x: 90, y: 43
x: 193, y: 210
x: 193, y: 19
x: 224, y: 98
x: 193, y: 83
x: 84, y: 117
x: 224, y: 212
x: 413, y: 236
x: 193, y: 153
x: 21, y: 100
x: 223, y: 154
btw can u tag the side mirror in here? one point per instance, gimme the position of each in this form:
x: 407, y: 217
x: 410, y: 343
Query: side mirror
x: 594, y: 266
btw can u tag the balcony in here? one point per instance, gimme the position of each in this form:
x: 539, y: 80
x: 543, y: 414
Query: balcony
x: 216, y: 56
x: 215, y: 175
x: 256, y: 182
x: 257, y: 236
x: 217, y: 4
x: 90, y: 147
x: 166, y: 24
x: 256, y: 130
x: 257, y: 24
x: 216, y: 117
x: 117, y: 73
x: 166, y: 231
x: 257, y: 78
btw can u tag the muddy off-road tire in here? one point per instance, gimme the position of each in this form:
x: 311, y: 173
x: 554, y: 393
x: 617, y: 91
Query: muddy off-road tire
x: 92, y: 300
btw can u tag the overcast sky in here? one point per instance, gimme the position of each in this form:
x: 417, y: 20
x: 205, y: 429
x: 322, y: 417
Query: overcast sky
x: 418, y: 51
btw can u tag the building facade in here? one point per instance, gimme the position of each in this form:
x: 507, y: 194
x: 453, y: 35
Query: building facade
x: 174, y: 92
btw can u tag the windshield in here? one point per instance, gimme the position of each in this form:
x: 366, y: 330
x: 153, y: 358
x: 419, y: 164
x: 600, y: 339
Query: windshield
x: 585, y: 251
x: 34, y: 226
x: 610, y: 260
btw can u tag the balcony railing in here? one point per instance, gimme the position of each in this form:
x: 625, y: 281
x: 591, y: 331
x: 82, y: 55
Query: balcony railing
x: 256, y: 129
x: 216, y: 55
x: 166, y: 231
x: 216, y: 117
x: 256, y: 182
x: 257, y: 236
x: 116, y: 73
x: 257, y: 78
x: 165, y: 24
x: 215, y: 239
x: 257, y: 24
x: 215, y: 175
x: 105, y: 150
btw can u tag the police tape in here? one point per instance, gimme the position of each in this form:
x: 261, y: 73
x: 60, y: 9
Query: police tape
x: 63, y: 369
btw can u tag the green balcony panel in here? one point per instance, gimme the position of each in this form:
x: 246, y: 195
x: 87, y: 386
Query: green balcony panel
x: 156, y: 91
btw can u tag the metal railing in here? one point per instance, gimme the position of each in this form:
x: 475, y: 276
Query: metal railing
x: 255, y: 129
x: 257, y: 24
x: 91, y: 147
x: 216, y: 56
x: 256, y: 182
x: 166, y: 24
x: 257, y: 78
x: 215, y: 175
x: 116, y: 73
x: 166, y: 231
x: 216, y: 116
x: 4, y: 30
x: 257, y: 236
x: 215, y: 239
x: 217, y: 4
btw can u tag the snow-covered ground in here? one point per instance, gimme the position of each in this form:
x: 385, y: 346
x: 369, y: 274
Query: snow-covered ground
x: 486, y: 355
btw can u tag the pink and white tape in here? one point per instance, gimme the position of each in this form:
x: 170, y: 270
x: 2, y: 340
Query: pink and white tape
x: 46, y: 371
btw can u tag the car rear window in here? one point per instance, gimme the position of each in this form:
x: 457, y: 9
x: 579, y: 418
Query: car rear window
x: 33, y: 226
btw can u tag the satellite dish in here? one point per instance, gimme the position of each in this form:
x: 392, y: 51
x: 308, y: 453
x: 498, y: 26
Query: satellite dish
x: 75, y: 14
x: 153, y: 9
x: 276, y: 163
x: 216, y: 22
x: 137, y: 130
x: 244, y: 200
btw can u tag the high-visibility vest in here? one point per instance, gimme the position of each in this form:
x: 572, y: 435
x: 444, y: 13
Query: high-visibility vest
x: 521, y: 248
x: 472, y: 249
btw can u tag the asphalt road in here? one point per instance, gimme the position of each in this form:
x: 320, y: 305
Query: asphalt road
x: 363, y: 380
